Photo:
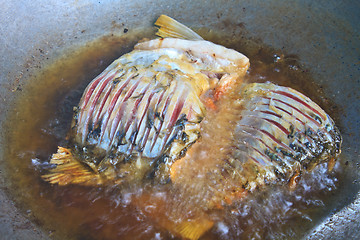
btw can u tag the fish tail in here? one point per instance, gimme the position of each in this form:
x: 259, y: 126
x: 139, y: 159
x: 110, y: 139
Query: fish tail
x: 169, y: 216
x: 192, y: 229
x: 68, y: 170
x: 169, y: 27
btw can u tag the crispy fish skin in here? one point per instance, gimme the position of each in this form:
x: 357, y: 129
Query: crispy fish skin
x: 281, y: 134
x: 147, y: 103
x: 284, y: 132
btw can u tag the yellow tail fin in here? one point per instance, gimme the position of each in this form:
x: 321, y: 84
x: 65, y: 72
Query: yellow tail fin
x: 193, y: 229
x: 168, y: 215
x: 70, y: 171
x: 169, y: 27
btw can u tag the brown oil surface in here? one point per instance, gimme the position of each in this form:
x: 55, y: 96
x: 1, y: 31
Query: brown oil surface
x: 42, y: 118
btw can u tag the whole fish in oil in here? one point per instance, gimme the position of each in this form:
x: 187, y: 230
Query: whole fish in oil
x: 144, y: 110
x: 141, y: 120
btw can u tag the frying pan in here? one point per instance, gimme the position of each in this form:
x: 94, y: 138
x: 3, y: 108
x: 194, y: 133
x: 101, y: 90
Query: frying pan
x: 325, y: 35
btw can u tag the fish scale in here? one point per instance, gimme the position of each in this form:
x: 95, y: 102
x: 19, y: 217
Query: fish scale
x: 116, y: 112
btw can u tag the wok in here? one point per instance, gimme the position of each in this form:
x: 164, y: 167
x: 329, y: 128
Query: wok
x: 325, y: 35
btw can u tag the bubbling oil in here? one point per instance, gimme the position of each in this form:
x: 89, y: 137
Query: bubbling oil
x: 42, y: 118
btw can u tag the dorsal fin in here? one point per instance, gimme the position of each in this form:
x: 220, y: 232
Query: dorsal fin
x: 169, y: 27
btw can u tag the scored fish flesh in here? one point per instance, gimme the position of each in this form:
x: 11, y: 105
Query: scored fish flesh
x: 283, y: 132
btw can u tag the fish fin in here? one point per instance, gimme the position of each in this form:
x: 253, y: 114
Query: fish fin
x: 226, y: 83
x: 169, y: 27
x: 331, y: 164
x: 68, y: 170
x: 168, y: 216
x: 193, y: 229
x: 293, y: 182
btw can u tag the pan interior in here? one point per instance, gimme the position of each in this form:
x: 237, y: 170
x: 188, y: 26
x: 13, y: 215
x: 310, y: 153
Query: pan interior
x: 323, y: 38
